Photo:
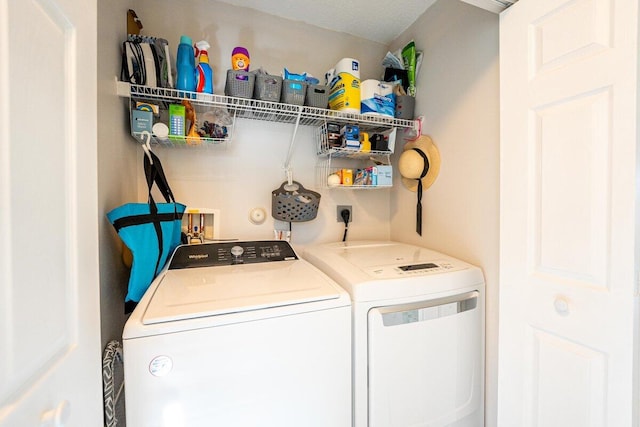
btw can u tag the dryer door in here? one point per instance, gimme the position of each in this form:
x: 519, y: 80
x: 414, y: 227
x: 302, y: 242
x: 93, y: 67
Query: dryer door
x: 426, y: 363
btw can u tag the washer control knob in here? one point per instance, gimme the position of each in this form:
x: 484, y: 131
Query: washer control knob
x: 237, y: 251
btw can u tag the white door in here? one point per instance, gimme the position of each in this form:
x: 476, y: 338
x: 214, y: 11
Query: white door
x: 568, y: 217
x: 50, y: 371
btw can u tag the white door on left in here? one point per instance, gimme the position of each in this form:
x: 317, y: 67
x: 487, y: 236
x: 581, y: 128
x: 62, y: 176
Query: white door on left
x: 49, y: 281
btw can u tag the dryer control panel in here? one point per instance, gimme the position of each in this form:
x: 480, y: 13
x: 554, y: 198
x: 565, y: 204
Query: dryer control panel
x: 231, y: 253
x: 418, y: 269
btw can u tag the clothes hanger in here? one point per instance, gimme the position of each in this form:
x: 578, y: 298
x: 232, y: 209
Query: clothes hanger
x: 146, y: 145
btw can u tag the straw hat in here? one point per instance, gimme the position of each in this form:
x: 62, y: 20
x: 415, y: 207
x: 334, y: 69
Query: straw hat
x: 412, y: 164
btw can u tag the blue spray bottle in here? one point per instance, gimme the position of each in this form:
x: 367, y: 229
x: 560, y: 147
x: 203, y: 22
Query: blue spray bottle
x: 185, y: 65
x: 204, y: 73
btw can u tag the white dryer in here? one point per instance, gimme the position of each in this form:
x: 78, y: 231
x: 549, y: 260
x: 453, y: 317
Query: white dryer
x: 418, y: 333
x: 239, y: 334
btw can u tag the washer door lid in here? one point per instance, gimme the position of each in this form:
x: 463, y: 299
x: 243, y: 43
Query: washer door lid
x: 212, y: 291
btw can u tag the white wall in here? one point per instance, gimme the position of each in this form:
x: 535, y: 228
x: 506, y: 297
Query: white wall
x: 116, y: 166
x: 458, y: 89
x: 242, y: 175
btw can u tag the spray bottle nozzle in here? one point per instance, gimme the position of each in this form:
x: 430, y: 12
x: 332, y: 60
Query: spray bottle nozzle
x: 201, y: 48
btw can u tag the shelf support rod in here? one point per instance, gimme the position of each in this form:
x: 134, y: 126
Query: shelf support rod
x: 287, y: 162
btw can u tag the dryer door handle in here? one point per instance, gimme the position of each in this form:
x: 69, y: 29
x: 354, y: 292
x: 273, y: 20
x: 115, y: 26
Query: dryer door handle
x: 428, y: 310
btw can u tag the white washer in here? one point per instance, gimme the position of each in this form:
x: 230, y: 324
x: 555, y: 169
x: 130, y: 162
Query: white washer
x: 239, y: 334
x: 418, y: 333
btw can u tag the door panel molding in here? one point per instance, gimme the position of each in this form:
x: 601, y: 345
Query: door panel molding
x: 570, y: 184
x: 574, y: 30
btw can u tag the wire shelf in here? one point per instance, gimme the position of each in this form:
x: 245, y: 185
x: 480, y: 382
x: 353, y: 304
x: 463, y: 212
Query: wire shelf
x: 254, y: 109
x: 325, y: 149
x: 334, y: 159
x: 358, y: 187
x: 270, y: 111
x: 347, y: 153
x: 182, y: 141
x: 328, y: 166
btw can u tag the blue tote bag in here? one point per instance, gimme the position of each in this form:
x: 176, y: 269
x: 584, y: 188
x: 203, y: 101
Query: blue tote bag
x: 150, y: 230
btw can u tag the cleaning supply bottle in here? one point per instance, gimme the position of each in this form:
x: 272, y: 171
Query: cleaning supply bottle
x: 240, y: 58
x: 185, y: 65
x: 204, y: 73
x: 365, y: 144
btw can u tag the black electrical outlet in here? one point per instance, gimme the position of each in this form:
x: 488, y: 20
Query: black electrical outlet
x: 339, y: 210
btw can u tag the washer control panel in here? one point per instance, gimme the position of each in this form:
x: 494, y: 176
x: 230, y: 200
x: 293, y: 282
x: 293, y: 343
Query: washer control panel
x: 231, y: 253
